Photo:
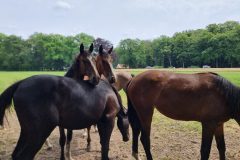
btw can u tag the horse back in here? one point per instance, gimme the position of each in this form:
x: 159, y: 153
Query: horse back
x: 88, y: 104
x: 179, y: 96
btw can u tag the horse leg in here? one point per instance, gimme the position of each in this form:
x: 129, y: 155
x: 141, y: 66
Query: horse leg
x: 68, y: 147
x: 145, y: 139
x: 48, y: 144
x: 136, y: 127
x: 27, y: 148
x: 62, y: 141
x: 105, y: 130
x: 208, y: 129
x: 19, y: 146
x: 145, y: 119
x: 88, y: 139
x: 219, y: 137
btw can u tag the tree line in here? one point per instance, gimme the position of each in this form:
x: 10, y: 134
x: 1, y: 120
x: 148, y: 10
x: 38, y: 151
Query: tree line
x: 43, y: 51
x: 218, y: 45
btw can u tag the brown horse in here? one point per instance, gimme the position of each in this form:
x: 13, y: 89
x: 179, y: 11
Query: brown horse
x: 104, y: 65
x: 204, y: 97
x: 105, y: 69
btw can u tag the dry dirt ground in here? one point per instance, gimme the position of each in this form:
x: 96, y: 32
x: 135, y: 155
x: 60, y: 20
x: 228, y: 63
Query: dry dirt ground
x: 170, y: 140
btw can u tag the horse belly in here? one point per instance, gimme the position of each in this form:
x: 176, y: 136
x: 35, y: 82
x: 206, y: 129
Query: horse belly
x: 79, y: 119
x: 190, y: 107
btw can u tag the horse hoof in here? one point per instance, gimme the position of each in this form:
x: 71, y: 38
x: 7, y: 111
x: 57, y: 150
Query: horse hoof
x: 135, y: 156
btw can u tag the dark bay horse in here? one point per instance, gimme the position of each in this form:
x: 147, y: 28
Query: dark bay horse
x: 204, y: 97
x: 39, y: 88
x: 122, y: 79
x: 44, y: 102
x: 105, y: 69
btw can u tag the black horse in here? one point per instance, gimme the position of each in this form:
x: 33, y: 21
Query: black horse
x: 44, y: 102
x: 105, y: 69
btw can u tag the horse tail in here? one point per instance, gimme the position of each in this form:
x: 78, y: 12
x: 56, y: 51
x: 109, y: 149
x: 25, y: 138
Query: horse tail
x: 132, y: 75
x: 132, y: 114
x: 6, y: 99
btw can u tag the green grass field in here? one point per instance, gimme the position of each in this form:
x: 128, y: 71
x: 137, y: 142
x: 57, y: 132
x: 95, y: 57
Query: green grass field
x: 8, y: 78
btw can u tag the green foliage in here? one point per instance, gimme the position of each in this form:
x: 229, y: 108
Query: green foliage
x: 40, y: 51
x: 217, y: 46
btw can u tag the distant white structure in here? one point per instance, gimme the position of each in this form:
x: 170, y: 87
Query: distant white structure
x: 206, y: 66
x: 122, y: 66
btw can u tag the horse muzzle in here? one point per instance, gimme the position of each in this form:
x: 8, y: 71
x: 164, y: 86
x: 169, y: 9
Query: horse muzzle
x: 126, y: 138
x: 112, y: 79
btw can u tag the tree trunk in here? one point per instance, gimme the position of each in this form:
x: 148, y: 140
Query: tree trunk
x: 170, y: 61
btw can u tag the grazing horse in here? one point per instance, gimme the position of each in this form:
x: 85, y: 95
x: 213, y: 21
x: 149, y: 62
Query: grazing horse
x: 204, y: 97
x: 122, y: 79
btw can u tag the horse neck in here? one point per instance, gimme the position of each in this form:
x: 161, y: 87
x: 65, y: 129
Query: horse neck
x: 121, y: 112
x: 123, y: 80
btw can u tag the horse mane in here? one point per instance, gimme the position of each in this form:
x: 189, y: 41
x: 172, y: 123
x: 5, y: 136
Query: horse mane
x: 231, y: 93
x: 72, y: 70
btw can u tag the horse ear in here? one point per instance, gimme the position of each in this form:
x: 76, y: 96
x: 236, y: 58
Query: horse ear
x: 100, y: 50
x: 91, y: 48
x: 81, y: 48
x: 110, y: 50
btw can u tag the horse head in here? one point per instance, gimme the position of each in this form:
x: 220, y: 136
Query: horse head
x: 104, y: 64
x: 84, y: 66
x: 123, y: 124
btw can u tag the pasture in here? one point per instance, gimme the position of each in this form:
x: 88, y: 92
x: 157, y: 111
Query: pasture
x: 170, y: 139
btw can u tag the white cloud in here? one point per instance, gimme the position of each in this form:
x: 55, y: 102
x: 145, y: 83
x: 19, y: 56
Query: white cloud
x: 144, y: 19
x: 63, y: 5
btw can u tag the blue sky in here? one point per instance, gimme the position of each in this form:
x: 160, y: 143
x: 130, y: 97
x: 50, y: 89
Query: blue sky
x: 113, y: 19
